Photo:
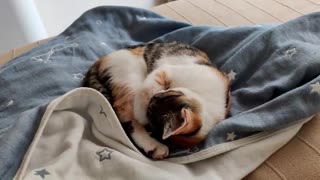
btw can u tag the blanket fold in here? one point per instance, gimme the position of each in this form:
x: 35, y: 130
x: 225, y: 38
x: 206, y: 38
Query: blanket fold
x: 80, y: 137
x: 274, y: 71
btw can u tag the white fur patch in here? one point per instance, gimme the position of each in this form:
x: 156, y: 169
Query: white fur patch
x: 176, y: 60
x: 195, y: 81
x: 198, y: 82
x: 126, y: 68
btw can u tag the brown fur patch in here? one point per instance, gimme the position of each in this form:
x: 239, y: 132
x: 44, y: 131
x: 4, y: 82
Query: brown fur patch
x: 203, y: 63
x: 163, y: 80
x: 183, y: 137
x: 203, y: 55
x: 138, y: 51
x: 90, y: 79
x: 92, y: 76
x: 123, y: 102
x: 228, y: 103
x: 102, y: 63
x: 193, y: 126
x: 227, y: 93
x: 202, y: 58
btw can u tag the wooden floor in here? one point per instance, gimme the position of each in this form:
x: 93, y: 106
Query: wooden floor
x: 300, y: 158
x: 237, y: 12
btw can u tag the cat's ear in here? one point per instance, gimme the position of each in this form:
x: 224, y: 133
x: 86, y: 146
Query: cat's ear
x: 174, y: 128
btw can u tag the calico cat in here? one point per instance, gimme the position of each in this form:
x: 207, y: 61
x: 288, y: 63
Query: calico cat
x: 172, y: 87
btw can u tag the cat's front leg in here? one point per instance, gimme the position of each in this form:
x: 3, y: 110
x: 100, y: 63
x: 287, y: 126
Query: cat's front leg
x: 156, y: 82
x: 143, y: 140
x: 123, y: 105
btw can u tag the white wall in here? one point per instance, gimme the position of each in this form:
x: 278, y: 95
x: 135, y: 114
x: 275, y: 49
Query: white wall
x: 20, y: 24
x: 57, y: 15
x: 26, y: 21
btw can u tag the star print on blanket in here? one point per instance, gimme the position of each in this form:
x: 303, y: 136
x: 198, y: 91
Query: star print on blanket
x: 273, y: 68
x: 42, y: 173
x: 315, y: 87
x: 104, y: 154
x: 46, y: 58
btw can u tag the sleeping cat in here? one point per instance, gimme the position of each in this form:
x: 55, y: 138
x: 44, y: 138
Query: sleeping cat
x: 172, y: 87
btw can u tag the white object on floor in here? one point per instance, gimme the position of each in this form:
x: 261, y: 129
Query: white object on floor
x: 26, y: 21
x: 20, y: 24
x: 57, y: 15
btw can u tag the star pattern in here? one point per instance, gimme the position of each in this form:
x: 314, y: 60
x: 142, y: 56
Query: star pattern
x: 231, y: 136
x: 45, y: 58
x: 102, y: 111
x: 315, y: 87
x: 78, y: 76
x: 10, y: 103
x: 42, y: 173
x: 104, y: 154
x: 232, y: 75
x: 291, y: 52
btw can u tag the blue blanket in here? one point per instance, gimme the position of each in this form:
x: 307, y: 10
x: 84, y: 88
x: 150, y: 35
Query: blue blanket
x: 274, y: 70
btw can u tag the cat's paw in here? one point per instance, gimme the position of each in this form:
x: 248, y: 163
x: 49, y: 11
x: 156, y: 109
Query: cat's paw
x: 158, y: 152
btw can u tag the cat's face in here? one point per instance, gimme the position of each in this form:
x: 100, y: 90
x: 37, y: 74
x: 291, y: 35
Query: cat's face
x: 176, y: 115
